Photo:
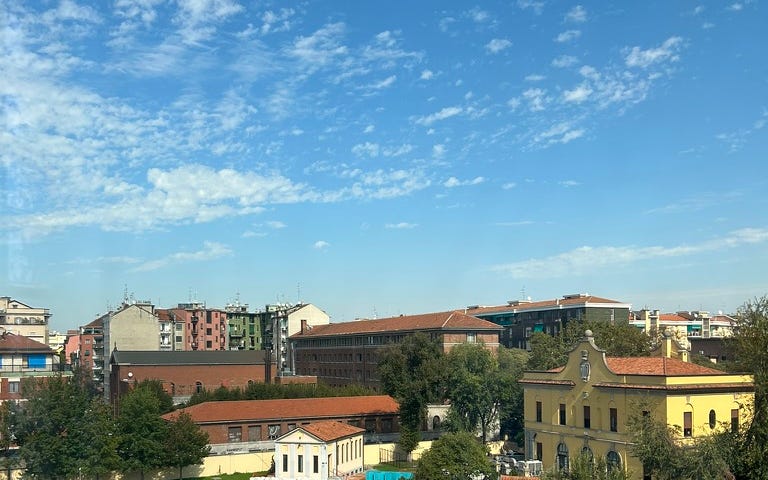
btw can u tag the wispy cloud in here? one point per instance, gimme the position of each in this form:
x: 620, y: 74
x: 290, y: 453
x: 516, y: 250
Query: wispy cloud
x: 565, y: 61
x: 668, y: 51
x: 426, y: 75
x: 210, y: 251
x: 584, y: 260
x: 697, y: 203
x: 568, y: 36
x: 537, y: 6
x: 401, y: 226
x: 443, y: 114
x: 497, y: 45
x: 321, y: 245
x: 736, y: 140
x: 577, y: 14
x: 455, y: 182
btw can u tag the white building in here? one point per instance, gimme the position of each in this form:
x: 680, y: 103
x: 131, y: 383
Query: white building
x: 21, y: 319
x: 319, y: 451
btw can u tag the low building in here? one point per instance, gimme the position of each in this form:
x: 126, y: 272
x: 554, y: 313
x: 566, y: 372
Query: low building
x: 254, y: 425
x: 187, y: 372
x: 520, y: 318
x: 22, y: 358
x: 583, y: 406
x: 318, y: 451
x: 348, y: 353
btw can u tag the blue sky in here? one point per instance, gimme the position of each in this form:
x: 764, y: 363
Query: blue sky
x: 379, y: 158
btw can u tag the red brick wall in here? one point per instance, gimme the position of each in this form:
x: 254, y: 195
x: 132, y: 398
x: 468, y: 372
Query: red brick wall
x: 185, y: 377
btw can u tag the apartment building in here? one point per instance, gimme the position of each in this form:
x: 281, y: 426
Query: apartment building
x: 21, y: 319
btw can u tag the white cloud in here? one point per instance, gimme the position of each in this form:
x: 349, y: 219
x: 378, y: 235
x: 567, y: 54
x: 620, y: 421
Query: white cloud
x: 586, y: 260
x: 578, y: 94
x: 438, y: 151
x: 366, y: 149
x: 275, y: 224
x: 568, y: 183
x: 426, y: 75
x: 536, y: 5
x: 369, y: 129
x: 479, y: 16
x: 735, y: 7
x: 453, y: 182
x: 497, y: 45
x: 568, y: 36
x: 398, y: 150
x: 509, y: 185
x: 534, y: 78
x: 321, y: 245
x: 210, y: 251
x: 401, y: 226
x: 537, y: 99
x: 443, y: 114
x: 564, y: 61
x: 667, y: 51
x: 562, y: 133
x: 197, y: 18
x: 275, y: 22
x: 577, y: 14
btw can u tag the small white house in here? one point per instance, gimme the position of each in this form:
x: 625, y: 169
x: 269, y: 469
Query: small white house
x: 318, y: 451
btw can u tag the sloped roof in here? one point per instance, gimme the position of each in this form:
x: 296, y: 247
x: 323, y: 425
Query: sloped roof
x: 657, y: 366
x: 188, y: 357
x: 329, y: 431
x: 404, y: 323
x: 566, y: 302
x: 261, y: 410
x: 10, y: 342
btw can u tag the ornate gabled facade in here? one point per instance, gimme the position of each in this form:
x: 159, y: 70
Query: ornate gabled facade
x: 319, y: 451
x: 583, y: 406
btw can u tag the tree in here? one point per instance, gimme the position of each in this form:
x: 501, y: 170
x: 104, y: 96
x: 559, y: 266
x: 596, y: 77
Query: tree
x: 99, y: 440
x: 185, y: 443
x: 49, y: 426
x: 512, y: 362
x: 141, y: 430
x: 412, y: 372
x: 8, y: 427
x: 585, y: 467
x: 478, y: 388
x: 455, y: 456
x: 156, y: 387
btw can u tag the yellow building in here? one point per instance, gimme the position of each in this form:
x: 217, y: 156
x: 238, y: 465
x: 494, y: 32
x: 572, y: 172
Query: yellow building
x: 584, y: 405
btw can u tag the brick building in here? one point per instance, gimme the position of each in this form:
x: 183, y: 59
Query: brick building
x: 185, y: 373
x: 22, y: 358
x: 347, y: 353
x: 250, y: 425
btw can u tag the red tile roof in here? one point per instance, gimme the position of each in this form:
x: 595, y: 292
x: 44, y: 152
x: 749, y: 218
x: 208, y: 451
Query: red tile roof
x: 657, y: 366
x: 255, y: 410
x: 571, y: 301
x: 10, y: 342
x: 331, y: 430
x: 405, y: 323
x: 672, y: 318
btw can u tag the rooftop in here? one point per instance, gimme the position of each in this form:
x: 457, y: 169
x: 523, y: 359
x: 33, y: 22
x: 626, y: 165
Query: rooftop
x: 657, y: 366
x: 329, y: 431
x: 567, y: 301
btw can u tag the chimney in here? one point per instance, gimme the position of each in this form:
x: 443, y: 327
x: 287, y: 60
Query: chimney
x: 304, y: 327
x: 666, y: 344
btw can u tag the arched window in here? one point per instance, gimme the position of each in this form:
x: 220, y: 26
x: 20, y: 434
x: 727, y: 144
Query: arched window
x: 613, y: 461
x: 562, y: 456
x: 712, y: 419
x: 198, y: 387
x: 436, y: 423
x: 586, y: 452
x: 173, y: 389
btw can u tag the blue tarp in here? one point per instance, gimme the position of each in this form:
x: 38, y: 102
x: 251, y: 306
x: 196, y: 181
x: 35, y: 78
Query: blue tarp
x: 36, y: 360
x: 377, y: 475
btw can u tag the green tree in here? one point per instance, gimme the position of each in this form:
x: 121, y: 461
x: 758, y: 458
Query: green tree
x: 49, y: 426
x: 99, y: 441
x: 185, y: 443
x: 413, y: 373
x: 8, y: 427
x: 585, y: 467
x: 512, y: 363
x: 156, y: 388
x: 478, y: 388
x: 455, y: 456
x: 142, y: 431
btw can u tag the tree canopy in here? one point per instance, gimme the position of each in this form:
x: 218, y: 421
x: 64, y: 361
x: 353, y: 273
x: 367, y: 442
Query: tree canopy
x: 455, y: 456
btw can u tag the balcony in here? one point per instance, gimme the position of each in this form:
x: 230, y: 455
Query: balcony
x: 194, y: 319
x: 194, y: 345
x: 236, y: 334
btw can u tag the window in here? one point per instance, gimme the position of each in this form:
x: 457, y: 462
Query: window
x: 712, y: 419
x: 235, y: 434
x: 254, y: 433
x: 13, y: 387
x: 471, y: 337
x: 198, y: 387
x: 687, y: 424
x: 274, y: 431
x: 291, y: 427
x: 613, y: 461
x: 587, y: 419
x: 613, y: 419
x: 539, y: 450
x: 538, y: 412
x: 562, y: 456
x: 315, y: 464
x: 735, y: 420
x: 562, y: 414
x: 586, y: 452
x: 300, y: 464
x: 285, y: 462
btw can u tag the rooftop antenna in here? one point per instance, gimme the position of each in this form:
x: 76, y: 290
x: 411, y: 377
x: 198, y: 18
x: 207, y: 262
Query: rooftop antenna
x: 522, y: 293
x: 375, y: 313
x: 298, y: 291
x: 125, y: 293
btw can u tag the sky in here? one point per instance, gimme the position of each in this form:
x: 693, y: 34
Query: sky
x: 382, y: 158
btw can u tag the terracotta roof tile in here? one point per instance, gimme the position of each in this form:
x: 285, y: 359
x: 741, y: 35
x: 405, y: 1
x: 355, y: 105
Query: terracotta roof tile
x: 405, y: 323
x: 254, y: 410
x: 331, y: 430
x: 11, y: 342
x: 656, y: 366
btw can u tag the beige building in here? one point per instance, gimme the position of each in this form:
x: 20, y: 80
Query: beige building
x: 318, y: 451
x: 286, y: 320
x: 21, y: 319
